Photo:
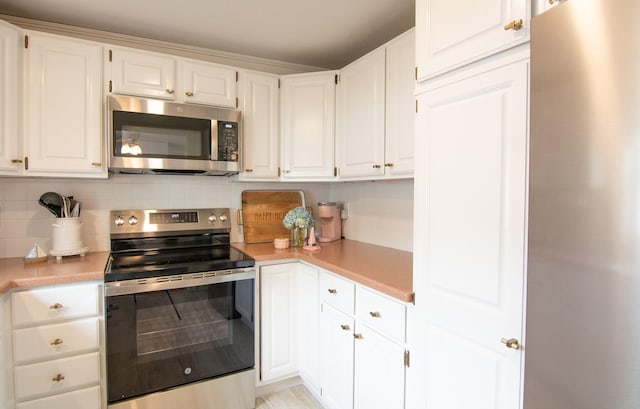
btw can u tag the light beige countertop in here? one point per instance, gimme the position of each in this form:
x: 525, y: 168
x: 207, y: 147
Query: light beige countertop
x: 15, y: 273
x: 384, y: 269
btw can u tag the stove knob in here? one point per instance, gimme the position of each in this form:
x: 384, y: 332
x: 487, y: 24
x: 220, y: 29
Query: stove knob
x: 212, y: 218
x: 222, y: 218
x: 133, y: 220
x: 119, y: 221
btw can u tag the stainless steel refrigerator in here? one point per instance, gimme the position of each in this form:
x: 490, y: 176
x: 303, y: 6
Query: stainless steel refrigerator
x: 582, y: 348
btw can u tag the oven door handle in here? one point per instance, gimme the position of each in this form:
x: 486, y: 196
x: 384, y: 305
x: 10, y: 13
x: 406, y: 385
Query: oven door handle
x: 145, y: 285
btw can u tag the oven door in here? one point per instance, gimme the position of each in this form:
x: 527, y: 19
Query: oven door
x: 162, y: 335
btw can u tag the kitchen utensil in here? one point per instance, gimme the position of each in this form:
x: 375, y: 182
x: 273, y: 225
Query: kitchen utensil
x: 75, y: 208
x: 53, y: 202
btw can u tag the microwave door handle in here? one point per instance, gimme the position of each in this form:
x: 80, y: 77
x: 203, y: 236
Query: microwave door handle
x: 214, y: 139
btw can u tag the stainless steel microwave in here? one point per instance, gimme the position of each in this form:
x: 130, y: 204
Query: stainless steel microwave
x: 161, y: 137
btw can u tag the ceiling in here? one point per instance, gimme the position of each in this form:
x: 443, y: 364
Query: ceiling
x: 327, y: 33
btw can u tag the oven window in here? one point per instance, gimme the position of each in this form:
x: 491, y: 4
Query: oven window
x: 162, y: 339
x: 160, y: 136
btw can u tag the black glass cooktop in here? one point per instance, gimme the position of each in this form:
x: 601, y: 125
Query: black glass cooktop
x: 155, y: 257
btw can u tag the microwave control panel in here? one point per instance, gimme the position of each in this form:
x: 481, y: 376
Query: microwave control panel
x: 228, y: 141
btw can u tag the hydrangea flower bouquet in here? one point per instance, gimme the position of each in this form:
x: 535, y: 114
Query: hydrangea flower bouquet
x: 298, y: 220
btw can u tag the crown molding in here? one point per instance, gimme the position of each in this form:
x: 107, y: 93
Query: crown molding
x: 220, y: 57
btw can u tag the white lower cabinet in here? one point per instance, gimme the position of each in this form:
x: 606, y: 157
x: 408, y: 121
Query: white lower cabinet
x: 345, y: 341
x: 363, y: 353
x: 379, y: 371
x: 56, y: 376
x: 80, y: 399
x: 337, y: 358
x: 56, y: 347
x: 278, y: 323
x: 308, y: 309
x: 289, y: 323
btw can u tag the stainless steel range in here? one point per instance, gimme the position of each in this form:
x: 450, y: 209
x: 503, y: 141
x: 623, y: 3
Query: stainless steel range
x: 179, y: 312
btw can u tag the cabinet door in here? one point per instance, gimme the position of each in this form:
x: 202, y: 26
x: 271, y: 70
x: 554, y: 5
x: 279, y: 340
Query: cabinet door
x: 540, y: 6
x: 336, y: 355
x: 55, y: 303
x: 260, y: 112
x: 209, y: 84
x: 360, y: 111
x: 278, y: 349
x: 400, y: 113
x: 452, y: 33
x: 308, y: 125
x: 88, y: 398
x: 135, y: 72
x: 308, y: 308
x: 56, y: 340
x: 63, y: 127
x: 470, y: 223
x: 378, y: 371
x: 57, y: 376
x: 10, y: 78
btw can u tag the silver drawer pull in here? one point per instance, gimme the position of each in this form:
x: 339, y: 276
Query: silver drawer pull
x: 58, y: 378
x: 55, y: 306
x: 56, y: 341
x: 375, y: 314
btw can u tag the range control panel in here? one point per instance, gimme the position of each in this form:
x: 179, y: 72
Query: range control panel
x: 158, y: 221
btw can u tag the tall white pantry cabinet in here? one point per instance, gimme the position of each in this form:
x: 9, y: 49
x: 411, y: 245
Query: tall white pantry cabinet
x: 470, y: 204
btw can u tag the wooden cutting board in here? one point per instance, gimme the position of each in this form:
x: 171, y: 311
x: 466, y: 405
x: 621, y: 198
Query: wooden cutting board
x: 263, y: 211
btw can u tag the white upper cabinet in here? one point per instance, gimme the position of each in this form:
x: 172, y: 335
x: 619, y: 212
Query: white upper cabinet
x: 360, y: 123
x: 452, y: 33
x: 142, y: 73
x: 63, y: 133
x: 543, y: 5
x: 10, y: 102
x: 400, y: 106
x: 209, y: 84
x: 154, y: 75
x: 308, y: 125
x: 375, y: 112
x: 259, y: 98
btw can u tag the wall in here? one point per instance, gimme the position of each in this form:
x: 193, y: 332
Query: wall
x: 380, y: 212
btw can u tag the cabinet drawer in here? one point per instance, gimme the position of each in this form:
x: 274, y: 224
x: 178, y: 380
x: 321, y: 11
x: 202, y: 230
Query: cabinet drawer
x: 57, y: 376
x: 54, y: 304
x: 381, y: 313
x: 337, y: 292
x: 82, y: 399
x: 52, y: 341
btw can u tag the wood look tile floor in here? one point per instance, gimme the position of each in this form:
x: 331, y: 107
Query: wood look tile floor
x: 297, y: 397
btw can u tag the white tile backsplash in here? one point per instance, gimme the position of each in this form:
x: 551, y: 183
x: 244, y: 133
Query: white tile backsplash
x: 381, y: 212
